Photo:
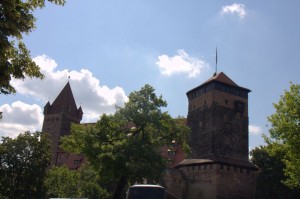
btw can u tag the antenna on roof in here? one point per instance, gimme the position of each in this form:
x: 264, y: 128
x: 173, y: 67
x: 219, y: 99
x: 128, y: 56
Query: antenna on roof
x: 68, y: 75
x: 216, y: 62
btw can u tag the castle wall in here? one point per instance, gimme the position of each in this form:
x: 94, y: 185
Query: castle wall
x: 218, y: 181
x: 236, y: 182
x: 174, y: 182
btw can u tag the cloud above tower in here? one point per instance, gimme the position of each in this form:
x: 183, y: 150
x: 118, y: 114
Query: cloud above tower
x: 181, y: 63
x: 94, y: 98
x: 234, y: 9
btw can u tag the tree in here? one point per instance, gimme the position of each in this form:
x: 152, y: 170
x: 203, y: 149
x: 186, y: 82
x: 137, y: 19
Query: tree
x: 269, y: 181
x: 125, y: 146
x: 16, y: 18
x: 23, y: 163
x: 285, y: 132
x: 64, y: 183
x: 92, y: 185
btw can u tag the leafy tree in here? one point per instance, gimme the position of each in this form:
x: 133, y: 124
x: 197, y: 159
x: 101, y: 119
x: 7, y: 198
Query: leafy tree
x: 92, y: 185
x: 16, y: 18
x: 64, y: 183
x: 269, y: 180
x: 285, y: 132
x: 125, y: 146
x: 23, y: 163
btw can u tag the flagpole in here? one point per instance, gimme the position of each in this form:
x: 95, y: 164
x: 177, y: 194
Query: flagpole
x: 216, y: 60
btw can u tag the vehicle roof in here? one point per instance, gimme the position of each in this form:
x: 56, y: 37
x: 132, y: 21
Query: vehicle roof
x: 146, y: 185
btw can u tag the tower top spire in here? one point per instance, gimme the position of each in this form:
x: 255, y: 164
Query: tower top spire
x: 216, y: 71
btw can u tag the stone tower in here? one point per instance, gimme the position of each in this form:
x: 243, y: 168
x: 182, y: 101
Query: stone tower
x: 218, y: 117
x: 219, y: 167
x: 58, y: 118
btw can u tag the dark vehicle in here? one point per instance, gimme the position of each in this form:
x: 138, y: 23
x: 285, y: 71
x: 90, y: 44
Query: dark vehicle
x: 145, y: 191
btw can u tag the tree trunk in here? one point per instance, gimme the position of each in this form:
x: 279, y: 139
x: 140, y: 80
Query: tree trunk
x: 121, y: 185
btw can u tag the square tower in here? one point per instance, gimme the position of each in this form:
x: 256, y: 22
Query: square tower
x: 219, y: 167
x: 218, y: 117
x: 58, y: 118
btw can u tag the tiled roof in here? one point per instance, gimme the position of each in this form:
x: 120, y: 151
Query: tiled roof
x: 65, y: 102
x: 221, y: 77
x: 217, y: 159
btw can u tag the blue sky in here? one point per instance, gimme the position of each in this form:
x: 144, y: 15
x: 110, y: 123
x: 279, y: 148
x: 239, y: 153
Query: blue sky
x: 111, y: 48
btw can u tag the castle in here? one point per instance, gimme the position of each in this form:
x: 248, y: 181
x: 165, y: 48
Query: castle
x: 218, y: 117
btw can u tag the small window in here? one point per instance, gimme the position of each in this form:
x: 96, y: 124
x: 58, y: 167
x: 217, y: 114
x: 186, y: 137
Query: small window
x: 76, y: 161
x: 222, y: 166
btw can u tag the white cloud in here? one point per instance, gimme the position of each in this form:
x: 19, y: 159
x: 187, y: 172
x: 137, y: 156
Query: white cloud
x: 237, y: 9
x: 255, y: 130
x: 45, y: 63
x: 95, y: 99
x: 20, y: 117
x: 181, y: 63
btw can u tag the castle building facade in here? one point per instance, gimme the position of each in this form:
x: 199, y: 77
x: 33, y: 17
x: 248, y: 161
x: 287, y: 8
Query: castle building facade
x: 219, y: 167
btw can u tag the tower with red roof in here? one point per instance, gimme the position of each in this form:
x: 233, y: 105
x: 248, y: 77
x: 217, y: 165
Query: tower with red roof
x: 58, y: 118
x: 219, y: 166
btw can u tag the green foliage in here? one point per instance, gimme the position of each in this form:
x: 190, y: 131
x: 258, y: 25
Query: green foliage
x: 92, y: 185
x: 23, y: 165
x: 64, y: 183
x: 16, y: 18
x: 285, y: 132
x: 126, y: 145
x: 269, y: 180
